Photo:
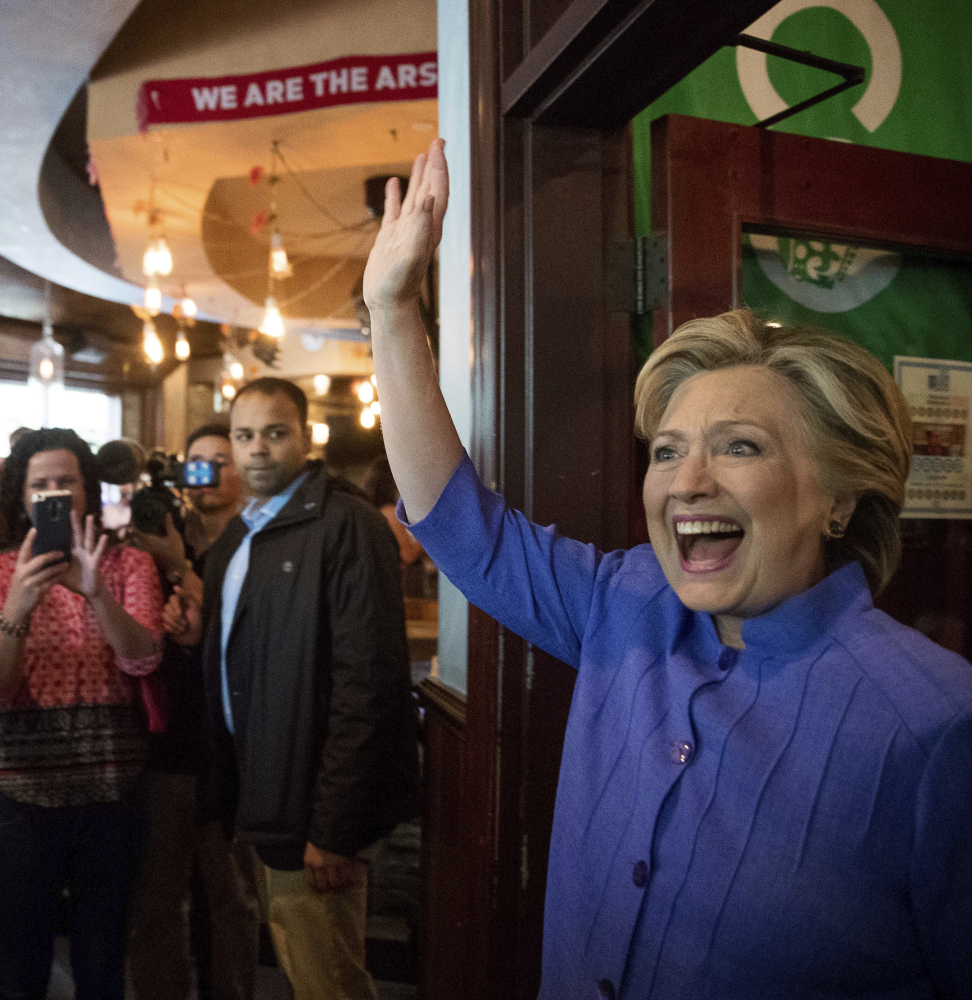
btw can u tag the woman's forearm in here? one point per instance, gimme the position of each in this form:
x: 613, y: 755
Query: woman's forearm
x: 128, y: 638
x: 421, y: 440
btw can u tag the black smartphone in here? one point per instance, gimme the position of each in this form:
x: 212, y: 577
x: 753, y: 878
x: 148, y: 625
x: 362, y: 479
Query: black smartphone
x: 52, y: 519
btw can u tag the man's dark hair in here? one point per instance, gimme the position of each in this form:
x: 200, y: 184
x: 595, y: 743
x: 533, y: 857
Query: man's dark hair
x: 270, y: 386
x: 14, y: 522
x: 208, y: 430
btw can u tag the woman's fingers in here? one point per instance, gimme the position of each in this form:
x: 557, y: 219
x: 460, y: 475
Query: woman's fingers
x: 89, y: 533
x: 414, y: 184
x: 99, y: 549
x: 393, y: 202
x: 26, y: 546
x: 47, y: 574
x: 437, y: 173
x: 76, y: 540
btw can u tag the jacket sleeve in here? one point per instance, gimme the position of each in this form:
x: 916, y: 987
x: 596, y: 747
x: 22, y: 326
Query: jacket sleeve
x: 941, y: 874
x: 530, y: 578
x: 369, y: 763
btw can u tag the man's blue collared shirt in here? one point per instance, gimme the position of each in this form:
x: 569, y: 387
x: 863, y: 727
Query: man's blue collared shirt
x: 256, y: 518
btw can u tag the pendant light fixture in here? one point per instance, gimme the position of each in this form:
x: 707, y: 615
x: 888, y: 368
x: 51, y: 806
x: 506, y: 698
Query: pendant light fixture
x: 46, y: 373
x: 182, y: 348
x: 273, y: 324
x: 151, y: 344
x: 153, y: 298
x: 279, y: 265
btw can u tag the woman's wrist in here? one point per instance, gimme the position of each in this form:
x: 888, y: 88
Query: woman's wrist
x: 13, y: 626
x: 98, y: 595
x: 16, y: 612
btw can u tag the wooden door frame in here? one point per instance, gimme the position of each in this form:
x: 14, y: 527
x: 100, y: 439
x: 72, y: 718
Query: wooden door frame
x: 712, y: 178
x: 549, y: 121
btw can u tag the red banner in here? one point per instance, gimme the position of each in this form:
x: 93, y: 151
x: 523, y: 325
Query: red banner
x: 349, y: 80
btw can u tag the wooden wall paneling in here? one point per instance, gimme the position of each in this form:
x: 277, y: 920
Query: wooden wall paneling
x: 444, y: 939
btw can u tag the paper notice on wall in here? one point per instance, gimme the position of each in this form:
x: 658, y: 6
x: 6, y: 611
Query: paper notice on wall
x: 938, y: 395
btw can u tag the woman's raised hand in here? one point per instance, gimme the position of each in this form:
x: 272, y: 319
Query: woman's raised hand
x: 410, y: 232
x: 33, y: 577
x: 83, y: 575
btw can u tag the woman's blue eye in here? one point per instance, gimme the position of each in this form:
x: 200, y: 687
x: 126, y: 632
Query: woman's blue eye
x: 663, y: 453
x: 743, y: 448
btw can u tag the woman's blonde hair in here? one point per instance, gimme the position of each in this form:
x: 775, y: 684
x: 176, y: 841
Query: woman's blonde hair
x: 856, y: 421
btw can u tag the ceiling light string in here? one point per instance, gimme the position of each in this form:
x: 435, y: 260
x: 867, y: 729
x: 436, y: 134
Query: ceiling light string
x: 326, y: 277
x: 303, y: 190
x: 273, y: 324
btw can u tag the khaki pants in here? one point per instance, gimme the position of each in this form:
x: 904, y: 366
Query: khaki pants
x: 159, y: 961
x: 319, y: 937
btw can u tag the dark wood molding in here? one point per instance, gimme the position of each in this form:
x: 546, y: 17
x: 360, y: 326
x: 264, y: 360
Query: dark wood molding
x: 449, y: 703
x: 603, y: 61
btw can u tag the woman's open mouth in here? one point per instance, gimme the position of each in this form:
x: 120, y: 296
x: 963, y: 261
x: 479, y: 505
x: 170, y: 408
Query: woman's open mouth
x: 707, y: 544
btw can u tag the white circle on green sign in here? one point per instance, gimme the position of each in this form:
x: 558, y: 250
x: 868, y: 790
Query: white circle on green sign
x: 823, y: 276
x: 883, y: 87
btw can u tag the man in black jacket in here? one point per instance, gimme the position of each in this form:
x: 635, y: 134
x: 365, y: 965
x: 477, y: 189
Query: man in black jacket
x: 307, y: 686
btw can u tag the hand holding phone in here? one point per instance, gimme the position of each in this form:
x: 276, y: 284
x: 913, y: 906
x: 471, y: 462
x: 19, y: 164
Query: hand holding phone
x: 51, y: 518
x: 33, y: 577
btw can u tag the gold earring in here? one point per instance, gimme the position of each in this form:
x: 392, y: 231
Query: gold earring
x: 834, y: 530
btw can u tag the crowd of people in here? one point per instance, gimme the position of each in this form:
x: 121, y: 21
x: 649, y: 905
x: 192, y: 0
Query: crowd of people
x: 230, y: 697
x: 766, y: 784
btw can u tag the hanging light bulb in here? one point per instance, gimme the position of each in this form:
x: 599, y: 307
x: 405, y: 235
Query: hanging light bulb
x: 151, y: 344
x: 182, y: 348
x: 322, y: 384
x: 163, y: 257
x: 228, y: 390
x: 320, y: 433
x: 236, y: 371
x: 46, y: 372
x: 375, y: 408
x: 366, y: 392
x: 153, y: 299
x: 373, y: 380
x: 272, y: 325
x: 367, y: 419
x: 149, y: 262
x: 189, y: 308
x: 279, y: 265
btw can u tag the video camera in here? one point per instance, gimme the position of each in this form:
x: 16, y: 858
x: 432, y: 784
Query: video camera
x: 156, y: 480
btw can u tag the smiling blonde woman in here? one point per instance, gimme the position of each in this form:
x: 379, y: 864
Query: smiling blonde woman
x: 766, y: 785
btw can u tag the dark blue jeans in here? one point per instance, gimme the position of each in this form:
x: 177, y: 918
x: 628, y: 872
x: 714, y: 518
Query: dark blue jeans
x: 92, y: 851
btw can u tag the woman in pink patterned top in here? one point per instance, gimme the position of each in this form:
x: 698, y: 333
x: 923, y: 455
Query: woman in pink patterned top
x: 77, y: 640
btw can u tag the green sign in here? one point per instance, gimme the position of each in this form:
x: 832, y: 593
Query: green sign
x: 916, y: 98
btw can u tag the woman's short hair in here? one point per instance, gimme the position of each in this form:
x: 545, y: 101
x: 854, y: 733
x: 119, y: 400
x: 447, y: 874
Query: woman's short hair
x: 14, y: 522
x: 855, y: 418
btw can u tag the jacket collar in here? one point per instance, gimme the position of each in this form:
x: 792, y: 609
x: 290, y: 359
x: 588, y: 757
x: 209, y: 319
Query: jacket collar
x: 307, y: 503
x: 802, y: 621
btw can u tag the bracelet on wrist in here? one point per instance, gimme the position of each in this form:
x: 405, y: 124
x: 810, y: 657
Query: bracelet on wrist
x: 9, y: 628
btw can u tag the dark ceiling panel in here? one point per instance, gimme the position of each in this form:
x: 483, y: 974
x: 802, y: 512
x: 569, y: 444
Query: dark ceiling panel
x: 606, y: 60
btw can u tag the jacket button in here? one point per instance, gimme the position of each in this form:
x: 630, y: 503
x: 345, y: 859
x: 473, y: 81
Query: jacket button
x: 288, y: 567
x: 605, y: 990
x: 639, y: 874
x: 681, y: 752
x: 727, y: 658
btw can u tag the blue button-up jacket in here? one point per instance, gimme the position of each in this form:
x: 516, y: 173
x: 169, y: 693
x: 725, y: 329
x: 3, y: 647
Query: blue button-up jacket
x: 792, y: 821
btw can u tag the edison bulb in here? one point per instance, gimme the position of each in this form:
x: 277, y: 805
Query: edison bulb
x: 367, y: 419
x: 366, y: 392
